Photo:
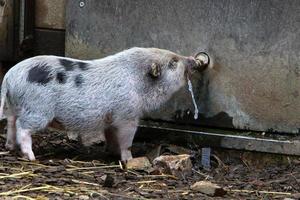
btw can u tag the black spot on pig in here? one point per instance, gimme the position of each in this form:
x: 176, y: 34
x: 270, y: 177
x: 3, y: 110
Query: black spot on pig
x: 71, y: 65
x: 39, y: 74
x: 83, y: 66
x: 67, y: 64
x: 61, y: 77
x: 78, y: 80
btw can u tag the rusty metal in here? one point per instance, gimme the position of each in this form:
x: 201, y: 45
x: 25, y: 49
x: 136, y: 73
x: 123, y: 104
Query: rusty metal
x: 6, y: 29
x: 202, y: 60
x: 28, y: 22
x: 50, y: 14
x: 16, y: 29
x: 229, y: 139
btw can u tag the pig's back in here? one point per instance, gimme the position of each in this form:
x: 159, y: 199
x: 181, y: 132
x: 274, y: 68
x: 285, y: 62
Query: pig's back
x: 73, y: 91
x: 29, y: 84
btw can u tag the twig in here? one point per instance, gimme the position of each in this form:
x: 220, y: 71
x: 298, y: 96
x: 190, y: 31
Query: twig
x: 220, y: 163
x: 87, y: 168
x: 37, y: 164
x: 24, y: 187
x: 83, y: 182
x: 135, y: 173
x: 120, y: 165
x: 143, y: 182
x: 55, y: 189
x: 24, y: 190
x: 202, y: 174
x: 113, y: 194
x: 158, y: 176
x: 258, y: 191
x: 23, y: 197
x: 82, y: 162
x: 4, y: 153
x: 168, y: 191
x: 17, y: 175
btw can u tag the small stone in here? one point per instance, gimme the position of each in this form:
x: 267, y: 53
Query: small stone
x: 176, y: 165
x: 83, y: 197
x: 109, y: 181
x: 72, y: 135
x: 154, y: 153
x: 103, y: 177
x: 296, y: 195
x: 140, y: 163
x: 208, y: 188
x: 288, y: 199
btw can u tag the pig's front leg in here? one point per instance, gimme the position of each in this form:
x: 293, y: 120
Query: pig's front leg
x: 119, y: 138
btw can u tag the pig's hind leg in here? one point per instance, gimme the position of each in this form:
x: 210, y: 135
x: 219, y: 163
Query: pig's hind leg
x: 11, y: 133
x: 25, y: 142
x: 27, y: 125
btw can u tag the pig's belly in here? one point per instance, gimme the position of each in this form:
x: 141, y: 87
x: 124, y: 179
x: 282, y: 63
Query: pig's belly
x: 83, y: 119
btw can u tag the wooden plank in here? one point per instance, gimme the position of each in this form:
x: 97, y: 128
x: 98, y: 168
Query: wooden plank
x: 50, y: 14
x: 7, y: 29
x: 49, y: 42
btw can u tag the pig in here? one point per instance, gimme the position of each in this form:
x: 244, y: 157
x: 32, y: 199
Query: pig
x: 107, y: 95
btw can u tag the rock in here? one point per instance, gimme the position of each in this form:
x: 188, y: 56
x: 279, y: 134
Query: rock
x: 83, y: 197
x: 109, y: 181
x: 154, y: 153
x: 140, y: 163
x: 288, y: 199
x: 103, y: 177
x: 176, y: 165
x: 208, y: 188
x: 296, y: 195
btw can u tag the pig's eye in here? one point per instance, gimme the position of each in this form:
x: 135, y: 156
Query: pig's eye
x: 173, y: 63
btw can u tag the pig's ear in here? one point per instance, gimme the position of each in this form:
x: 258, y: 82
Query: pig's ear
x: 155, y: 70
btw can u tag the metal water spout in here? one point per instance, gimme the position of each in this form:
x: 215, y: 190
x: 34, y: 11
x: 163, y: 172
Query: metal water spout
x: 202, y: 60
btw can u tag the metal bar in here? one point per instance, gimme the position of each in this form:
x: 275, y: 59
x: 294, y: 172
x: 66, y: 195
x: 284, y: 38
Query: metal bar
x: 179, y: 134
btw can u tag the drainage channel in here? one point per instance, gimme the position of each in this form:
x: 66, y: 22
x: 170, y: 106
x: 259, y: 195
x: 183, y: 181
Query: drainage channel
x: 191, y: 136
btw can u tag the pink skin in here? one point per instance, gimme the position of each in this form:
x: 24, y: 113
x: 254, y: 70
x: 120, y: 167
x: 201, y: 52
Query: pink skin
x: 191, y: 63
x: 23, y: 138
x: 11, y: 133
x: 120, y: 137
x: 25, y: 141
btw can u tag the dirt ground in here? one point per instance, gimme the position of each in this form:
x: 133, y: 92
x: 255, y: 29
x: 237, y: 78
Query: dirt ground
x: 66, y: 170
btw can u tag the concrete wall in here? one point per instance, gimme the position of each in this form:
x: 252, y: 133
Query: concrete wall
x: 255, y: 80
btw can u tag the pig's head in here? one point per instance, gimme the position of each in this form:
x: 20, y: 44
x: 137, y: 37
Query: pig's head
x: 162, y: 74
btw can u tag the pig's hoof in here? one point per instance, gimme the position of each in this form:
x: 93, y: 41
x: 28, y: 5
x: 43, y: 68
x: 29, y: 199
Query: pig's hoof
x: 126, y: 155
x: 30, y: 156
x: 10, y: 146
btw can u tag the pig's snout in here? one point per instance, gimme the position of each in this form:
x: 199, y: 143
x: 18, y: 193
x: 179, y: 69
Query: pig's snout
x: 191, y: 63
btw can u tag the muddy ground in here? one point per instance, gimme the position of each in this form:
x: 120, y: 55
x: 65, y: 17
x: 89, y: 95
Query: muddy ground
x: 67, y: 170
